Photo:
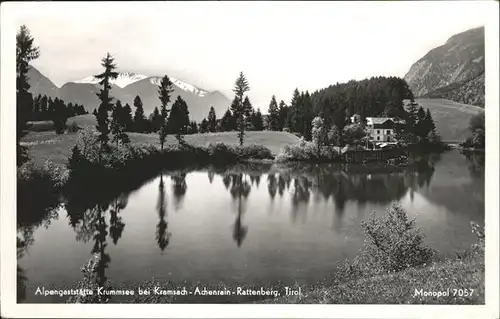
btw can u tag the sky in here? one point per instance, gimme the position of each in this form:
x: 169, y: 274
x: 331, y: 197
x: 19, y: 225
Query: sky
x: 277, y: 45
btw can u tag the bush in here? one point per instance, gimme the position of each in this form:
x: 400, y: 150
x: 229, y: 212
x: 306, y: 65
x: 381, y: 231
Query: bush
x: 47, y: 176
x: 41, y: 186
x: 394, y: 243
x: 303, y: 151
x: 254, y: 151
x: 88, y: 143
x: 306, y: 151
x: 479, y: 232
x: 222, y: 152
x: 90, y: 282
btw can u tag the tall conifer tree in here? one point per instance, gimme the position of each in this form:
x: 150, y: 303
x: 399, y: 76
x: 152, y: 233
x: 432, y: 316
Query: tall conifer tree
x: 105, y: 97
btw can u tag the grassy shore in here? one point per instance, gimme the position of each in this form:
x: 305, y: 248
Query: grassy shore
x: 44, y: 146
x: 393, y: 288
x: 400, y: 287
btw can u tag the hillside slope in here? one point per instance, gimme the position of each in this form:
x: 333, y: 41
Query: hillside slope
x: 453, y: 71
x: 451, y: 118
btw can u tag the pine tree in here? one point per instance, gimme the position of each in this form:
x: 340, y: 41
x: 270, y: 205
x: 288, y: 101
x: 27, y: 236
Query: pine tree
x: 227, y: 122
x: 139, y: 118
x: 193, y: 128
x: 430, y: 128
x: 178, y: 122
x: 70, y: 109
x: 44, y: 108
x: 274, y: 116
x: 118, y: 124
x: 25, y: 53
x: 165, y: 90
x: 35, y: 114
x: 257, y: 121
x: 106, y: 99
x: 212, y: 120
x: 241, y: 86
x: 203, y: 126
x: 307, y: 116
x: 156, y: 120
x: 183, y: 115
x: 283, y: 115
x: 421, y: 126
x: 59, y: 116
x: 247, y: 107
x: 295, y: 110
x: 234, y: 108
x: 127, y: 118
x: 339, y: 116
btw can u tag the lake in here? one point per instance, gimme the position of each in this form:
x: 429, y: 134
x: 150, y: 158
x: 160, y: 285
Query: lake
x: 245, y: 224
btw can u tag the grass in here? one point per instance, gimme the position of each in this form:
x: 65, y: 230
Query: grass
x: 451, y: 118
x: 399, y: 287
x: 44, y: 146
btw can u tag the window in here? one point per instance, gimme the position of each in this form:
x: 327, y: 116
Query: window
x: 378, y: 138
x: 388, y: 132
x: 378, y: 131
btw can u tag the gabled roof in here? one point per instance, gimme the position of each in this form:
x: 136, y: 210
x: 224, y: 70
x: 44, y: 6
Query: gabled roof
x: 381, y: 120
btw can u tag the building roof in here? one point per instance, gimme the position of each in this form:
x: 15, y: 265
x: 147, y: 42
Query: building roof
x: 381, y: 120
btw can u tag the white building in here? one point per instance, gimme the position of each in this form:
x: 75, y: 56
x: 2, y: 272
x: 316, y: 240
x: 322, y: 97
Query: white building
x: 381, y: 129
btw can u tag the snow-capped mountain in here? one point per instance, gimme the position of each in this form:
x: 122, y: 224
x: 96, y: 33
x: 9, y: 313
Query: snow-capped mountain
x: 126, y: 78
x: 126, y: 87
x: 156, y: 80
x: 123, y: 79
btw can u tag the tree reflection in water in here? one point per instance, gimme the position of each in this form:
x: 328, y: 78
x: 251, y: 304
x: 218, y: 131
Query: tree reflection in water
x: 240, y: 189
x: 87, y: 216
x: 87, y: 210
x: 272, y: 185
x: 179, y: 188
x: 162, y: 234
x: 300, y: 196
x: 116, y: 224
x: 211, y: 176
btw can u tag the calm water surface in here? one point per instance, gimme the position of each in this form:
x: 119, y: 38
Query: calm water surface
x: 246, y: 224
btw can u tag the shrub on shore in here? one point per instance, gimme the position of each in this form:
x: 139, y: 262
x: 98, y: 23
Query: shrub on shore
x: 306, y: 152
x: 87, y: 161
x: 254, y: 152
x: 392, y: 243
x: 49, y: 175
x: 41, y: 185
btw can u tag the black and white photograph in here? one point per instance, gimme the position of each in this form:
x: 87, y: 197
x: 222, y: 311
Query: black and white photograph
x: 250, y: 153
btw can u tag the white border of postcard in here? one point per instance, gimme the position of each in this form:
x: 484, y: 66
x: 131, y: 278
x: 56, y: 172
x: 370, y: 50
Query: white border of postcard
x: 9, y: 308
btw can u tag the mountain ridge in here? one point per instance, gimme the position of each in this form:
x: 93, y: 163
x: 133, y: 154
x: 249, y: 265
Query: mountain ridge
x: 454, y: 70
x: 125, y: 88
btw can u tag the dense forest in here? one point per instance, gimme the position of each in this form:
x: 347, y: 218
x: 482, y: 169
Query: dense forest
x: 46, y: 109
x: 334, y: 105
